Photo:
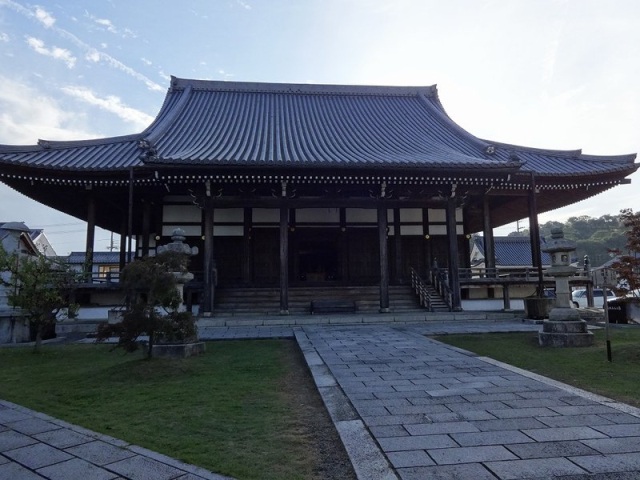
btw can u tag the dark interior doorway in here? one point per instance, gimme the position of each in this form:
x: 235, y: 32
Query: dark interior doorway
x: 318, y: 255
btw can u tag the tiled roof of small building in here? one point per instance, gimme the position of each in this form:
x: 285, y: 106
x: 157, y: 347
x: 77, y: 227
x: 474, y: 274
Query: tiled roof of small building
x: 512, y: 251
x: 99, y: 258
x: 208, y: 123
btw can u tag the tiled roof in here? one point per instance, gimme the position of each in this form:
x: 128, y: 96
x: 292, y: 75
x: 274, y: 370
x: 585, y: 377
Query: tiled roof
x: 102, y: 258
x: 207, y: 123
x: 512, y: 251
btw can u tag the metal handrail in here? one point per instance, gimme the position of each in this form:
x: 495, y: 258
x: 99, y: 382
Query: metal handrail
x: 440, y: 280
x: 420, y: 288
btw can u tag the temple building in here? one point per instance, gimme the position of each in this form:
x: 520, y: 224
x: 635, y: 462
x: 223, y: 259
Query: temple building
x: 285, y: 185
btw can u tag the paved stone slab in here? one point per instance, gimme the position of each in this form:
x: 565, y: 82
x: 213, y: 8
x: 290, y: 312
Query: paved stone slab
x: 508, y: 424
x: 468, y: 471
x: 142, y: 468
x: 13, y: 471
x: 410, y: 458
x: 615, y: 445
x: 615, y: 462
x: 76, y: 469
x: 563, y: 433
x: 415, y: 442
x: 63, y: 438
x: 632, y: 430
x: 575, y: 420
x: 440, y: 427
x: 450, y: 456
x: 100, y: 453
x: 10, y: 440
x: 37, y: 455
x: 500, y: 437
x: 535, y: 468
x: 32, y: 425
x: 551, y: 449
x: 8, y: 415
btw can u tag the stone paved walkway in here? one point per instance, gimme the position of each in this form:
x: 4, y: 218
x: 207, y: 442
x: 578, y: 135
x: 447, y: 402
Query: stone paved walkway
x: 419, y: 409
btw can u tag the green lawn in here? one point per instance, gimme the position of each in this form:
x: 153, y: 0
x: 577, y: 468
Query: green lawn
x: 227, y: 411
x: 586, y: 368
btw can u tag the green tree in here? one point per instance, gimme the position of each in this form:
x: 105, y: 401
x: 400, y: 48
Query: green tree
x: 151, y: 306
x: 39, y: 286
x: 627, y: 266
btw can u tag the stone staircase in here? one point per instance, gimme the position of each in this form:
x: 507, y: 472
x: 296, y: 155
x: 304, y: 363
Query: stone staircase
x: 437, y: 302
x: 246, y: 301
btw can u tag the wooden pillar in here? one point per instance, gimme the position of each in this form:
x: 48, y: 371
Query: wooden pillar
x: 489, y: 244
x: 123, y: 244
x: 146, y: 228
x: 130, y: 214
x: 247, y: 257
x: 397, y: 240
x: 426, y: 270
x: 534, y: 234
x: 506, y: 297
x: 209, y: 274
x: 284, y: 260
x: 384, y: 258
x: 344, y: 247
x: 91, y: 233
x: 454, y: 265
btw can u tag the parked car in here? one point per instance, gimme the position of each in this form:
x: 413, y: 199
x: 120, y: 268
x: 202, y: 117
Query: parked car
x: 579, y: 297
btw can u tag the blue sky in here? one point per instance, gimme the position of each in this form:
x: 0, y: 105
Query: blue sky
x: 560, y: 74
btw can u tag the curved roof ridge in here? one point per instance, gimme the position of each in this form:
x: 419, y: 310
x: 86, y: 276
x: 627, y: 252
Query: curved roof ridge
x: 545, y: 151
x: 622, y: 158
x: 61, y: 144
x: 304, y: 88
x: 435, y: 103
x: 166, y: 116
x: 577, y: 153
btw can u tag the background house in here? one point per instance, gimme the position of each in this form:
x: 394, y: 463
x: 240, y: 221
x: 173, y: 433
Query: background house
x: 14, y: 237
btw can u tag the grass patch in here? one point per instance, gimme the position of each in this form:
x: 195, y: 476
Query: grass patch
x: 586, y: 367
x: 227, y: 410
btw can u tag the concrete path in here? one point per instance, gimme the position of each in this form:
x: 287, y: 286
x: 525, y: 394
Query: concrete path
x: 405, y: 407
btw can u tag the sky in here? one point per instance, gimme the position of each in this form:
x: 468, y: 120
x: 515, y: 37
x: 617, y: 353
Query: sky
x: 558, y: 74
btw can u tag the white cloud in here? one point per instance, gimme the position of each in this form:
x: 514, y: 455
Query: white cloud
x: 244, y: 5
x: 26, y: 115
x: 146, y: 61
x: 55, y: 52
x: 110, y: 104
x: 44, y: 17
x: 48, y: 21
x: 4, y: 37
x: 93, y: 56
x: 106, y: 23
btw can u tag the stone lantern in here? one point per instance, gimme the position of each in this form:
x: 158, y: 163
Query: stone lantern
x: 564, y: 328
x: 178, y: 246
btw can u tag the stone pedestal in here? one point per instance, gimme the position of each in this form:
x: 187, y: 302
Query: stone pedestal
x: 565, y: 333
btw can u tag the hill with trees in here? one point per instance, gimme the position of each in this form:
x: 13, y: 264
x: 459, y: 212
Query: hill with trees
x: 594, y: 237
